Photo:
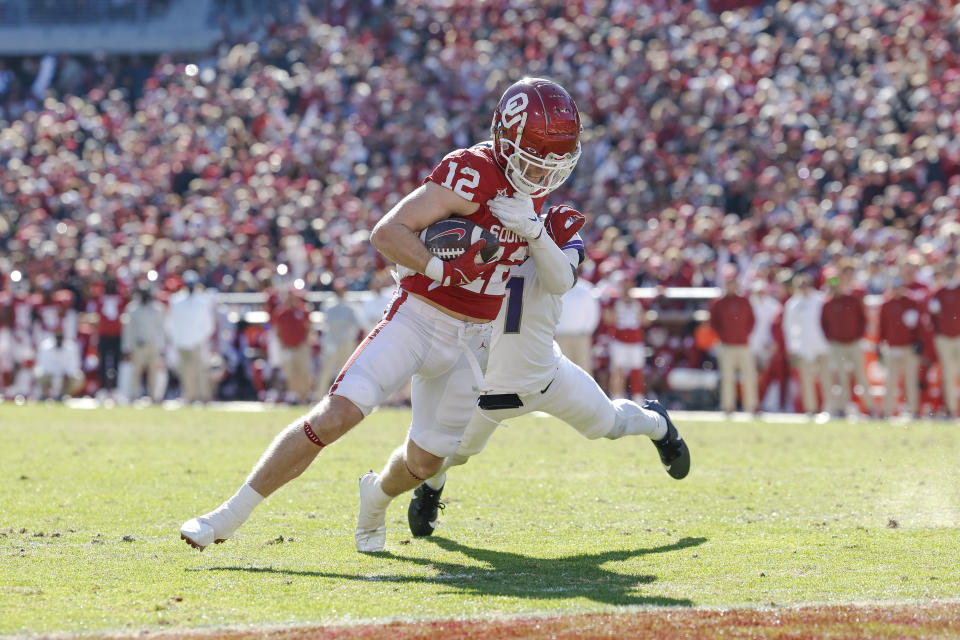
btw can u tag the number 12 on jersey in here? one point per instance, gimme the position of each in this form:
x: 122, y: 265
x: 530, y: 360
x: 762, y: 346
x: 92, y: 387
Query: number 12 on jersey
x: 465, y: 185
x: 511, y: 323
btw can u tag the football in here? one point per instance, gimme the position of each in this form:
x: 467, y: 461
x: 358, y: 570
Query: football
x: 449, y: 238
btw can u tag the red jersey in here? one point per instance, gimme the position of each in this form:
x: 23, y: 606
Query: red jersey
x: 292, y: 324
x: 732, y: 318
x: 627, y: 320
x: 843, y: 318
x: 945, y: 311
x: 900, y: 321
x: 109, y: 308
x: 475, y: 175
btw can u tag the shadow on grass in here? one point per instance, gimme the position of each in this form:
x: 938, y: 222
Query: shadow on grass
x: 520, y: 576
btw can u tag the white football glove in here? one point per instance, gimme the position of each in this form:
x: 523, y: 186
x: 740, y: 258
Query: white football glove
x: 518, y: 215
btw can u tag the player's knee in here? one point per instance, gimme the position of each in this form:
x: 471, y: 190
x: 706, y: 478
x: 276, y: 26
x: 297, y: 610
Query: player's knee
x: 421, y: 468
x: 422, y: 464
x: 332, y: 417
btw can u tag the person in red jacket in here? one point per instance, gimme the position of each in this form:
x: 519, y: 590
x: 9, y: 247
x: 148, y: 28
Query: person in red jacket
x: 944, y: 307
x: 844, y: 322
x: 731, y: 316
x: 900, y: 341
x: 109, y: 307
x: 290, y: 318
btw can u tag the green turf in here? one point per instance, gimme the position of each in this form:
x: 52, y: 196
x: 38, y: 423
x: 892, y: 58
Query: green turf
x: 542, y: 522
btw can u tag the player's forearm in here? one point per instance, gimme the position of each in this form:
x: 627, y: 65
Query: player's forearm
x: 553, y: 267
x: 401, y: 245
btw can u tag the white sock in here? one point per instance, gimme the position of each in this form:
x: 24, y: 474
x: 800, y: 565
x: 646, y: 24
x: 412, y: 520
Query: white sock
x: 378, y: 498
x: 436, y: 482
x: 660, y: 429
x: 633, y: 420
x: 243, y: 502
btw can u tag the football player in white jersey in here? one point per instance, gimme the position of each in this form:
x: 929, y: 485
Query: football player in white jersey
x: 526, y: 371
x: 435, y: 332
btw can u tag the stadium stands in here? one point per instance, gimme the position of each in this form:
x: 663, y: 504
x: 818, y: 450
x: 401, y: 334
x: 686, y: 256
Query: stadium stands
x: 778, y: 138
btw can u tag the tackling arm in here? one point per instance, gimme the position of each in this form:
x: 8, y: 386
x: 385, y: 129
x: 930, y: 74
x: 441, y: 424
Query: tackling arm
x: 556, y: 270
x: 544, y: 237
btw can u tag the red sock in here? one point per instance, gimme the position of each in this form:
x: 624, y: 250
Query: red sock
x: 636, y: 382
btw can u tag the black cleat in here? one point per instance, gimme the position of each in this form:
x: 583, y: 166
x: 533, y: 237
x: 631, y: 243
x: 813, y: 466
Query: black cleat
x: 423, y: 511
x: 672, y: 449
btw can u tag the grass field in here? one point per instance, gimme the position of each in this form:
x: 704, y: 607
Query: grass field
x: 544, y: 524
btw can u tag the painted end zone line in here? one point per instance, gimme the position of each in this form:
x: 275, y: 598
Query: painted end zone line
x: 846, y: 622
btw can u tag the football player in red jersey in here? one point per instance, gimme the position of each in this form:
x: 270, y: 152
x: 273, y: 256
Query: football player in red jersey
x: 438, y: 324
x: 23, y: 346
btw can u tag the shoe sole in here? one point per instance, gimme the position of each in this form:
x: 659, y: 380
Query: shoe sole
x: 197, y: 546
x: 421, y: 534
x: 373, y: 541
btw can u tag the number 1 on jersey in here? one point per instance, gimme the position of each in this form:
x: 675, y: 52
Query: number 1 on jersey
x: 511, y: 323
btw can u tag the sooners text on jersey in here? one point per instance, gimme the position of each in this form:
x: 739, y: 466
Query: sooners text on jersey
x: 474, y: 174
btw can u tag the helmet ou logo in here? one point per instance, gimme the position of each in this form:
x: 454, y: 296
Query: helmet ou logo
x: 513, y: 110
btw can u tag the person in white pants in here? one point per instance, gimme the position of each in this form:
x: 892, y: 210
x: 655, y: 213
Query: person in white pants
x: 527, y: 372
x: 436, y: 332
x: 58, y: 369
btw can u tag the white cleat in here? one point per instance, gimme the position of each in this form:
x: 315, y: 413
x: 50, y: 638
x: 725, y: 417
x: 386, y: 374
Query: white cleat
x: 212, y: 528
x: 371, y: 530
x: 197, y: 534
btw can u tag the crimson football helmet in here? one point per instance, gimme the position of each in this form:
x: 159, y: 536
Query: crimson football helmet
x: 536, y: 135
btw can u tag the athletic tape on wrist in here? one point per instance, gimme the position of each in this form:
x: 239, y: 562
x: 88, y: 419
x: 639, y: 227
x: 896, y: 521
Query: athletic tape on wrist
x: 434, y: 269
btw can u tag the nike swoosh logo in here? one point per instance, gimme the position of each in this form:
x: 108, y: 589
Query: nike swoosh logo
x: 460, y: 233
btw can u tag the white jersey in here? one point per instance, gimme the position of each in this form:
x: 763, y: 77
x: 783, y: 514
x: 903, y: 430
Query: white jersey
x: 523, y: 355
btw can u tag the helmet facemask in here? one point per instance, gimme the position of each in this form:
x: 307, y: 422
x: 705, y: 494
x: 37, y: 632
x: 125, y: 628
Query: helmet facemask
x: 519, y: 163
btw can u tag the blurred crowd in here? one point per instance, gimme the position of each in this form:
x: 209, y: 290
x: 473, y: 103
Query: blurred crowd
x: 788, y: 344
x: 777, y: 140
x: 835, y: 349
x: 176, y: 342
